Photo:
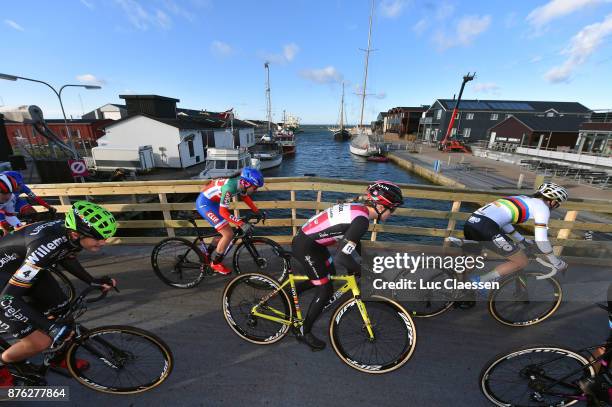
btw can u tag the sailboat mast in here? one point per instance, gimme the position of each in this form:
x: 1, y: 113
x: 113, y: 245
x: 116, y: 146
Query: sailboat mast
x: 367, y: 58
x: 268, y: 98
x: 342, y: 109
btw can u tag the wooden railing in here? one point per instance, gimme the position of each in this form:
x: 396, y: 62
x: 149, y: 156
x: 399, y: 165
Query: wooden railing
x: 145, y: 197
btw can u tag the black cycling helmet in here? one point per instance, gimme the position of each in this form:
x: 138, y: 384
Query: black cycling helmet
x: 385, y: 193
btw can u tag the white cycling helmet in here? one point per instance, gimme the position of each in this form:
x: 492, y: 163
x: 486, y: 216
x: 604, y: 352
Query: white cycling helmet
x: 8, y: 184
x: 553, y: 191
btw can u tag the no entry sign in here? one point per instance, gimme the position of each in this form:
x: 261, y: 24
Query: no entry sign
x: 78, y: 168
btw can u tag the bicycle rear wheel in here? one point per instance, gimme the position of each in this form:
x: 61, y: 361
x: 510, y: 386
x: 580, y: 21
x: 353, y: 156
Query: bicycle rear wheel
x: 394, y: 335
x: 122, y: 360
x: 178, y: 262
x: 242, y: 294
x: 260, y: 255
x: 524, y: 300
x: 535, y: 376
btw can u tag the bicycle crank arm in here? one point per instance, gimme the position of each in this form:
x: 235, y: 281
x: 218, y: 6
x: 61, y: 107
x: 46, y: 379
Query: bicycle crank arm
x: 546, y: 264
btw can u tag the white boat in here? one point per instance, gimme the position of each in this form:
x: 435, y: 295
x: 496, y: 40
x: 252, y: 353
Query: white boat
x: 268, y: 151
x: 360, y: 143
x: 225, y: 162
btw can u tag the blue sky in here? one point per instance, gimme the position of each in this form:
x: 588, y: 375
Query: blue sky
x: 210, y: 54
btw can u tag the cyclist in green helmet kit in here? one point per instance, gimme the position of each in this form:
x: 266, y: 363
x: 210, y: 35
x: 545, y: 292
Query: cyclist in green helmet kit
x: 24, y: 256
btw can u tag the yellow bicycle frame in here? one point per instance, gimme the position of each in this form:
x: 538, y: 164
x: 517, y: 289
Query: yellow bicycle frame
x: 350, y: 284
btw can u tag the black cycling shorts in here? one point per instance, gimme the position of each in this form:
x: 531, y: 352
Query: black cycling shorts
x: 314, y: 258
x: 482, y: 229
x: 45, y: 295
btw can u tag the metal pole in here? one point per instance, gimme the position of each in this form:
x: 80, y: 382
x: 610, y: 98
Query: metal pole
x: 365, y: 76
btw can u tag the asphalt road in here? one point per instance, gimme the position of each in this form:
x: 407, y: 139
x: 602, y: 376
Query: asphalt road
x: 214, y: 367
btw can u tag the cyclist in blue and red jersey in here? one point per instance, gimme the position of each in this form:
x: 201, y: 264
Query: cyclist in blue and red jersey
x: 213, y: 205
x: 11, y: 205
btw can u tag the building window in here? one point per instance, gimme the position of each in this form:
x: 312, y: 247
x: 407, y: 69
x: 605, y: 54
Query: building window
x: 220, y: 165
x: 457, y: 116
x: 232, y: 165
x: 469, y: 116
x: 466, y: 133
x: 438, y: 114
x: 494, y: 116
x: 550, y: 114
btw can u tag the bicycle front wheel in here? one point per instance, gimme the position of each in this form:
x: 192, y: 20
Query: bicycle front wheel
x: 65, y: 284
x: 394, y: 335
x: 178, y: 262
x: 524, y: 300
x: 260, y: 255
x: 248, y: 290
x: 535, y: 376
x: 122, y: 360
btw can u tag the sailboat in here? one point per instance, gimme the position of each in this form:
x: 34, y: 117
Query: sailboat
x: 340, y: 132
x: 268, y: 150
x: 360, y: 143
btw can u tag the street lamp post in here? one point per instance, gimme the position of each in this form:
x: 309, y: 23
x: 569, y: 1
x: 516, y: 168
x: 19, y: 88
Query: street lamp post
x: 59, y: 97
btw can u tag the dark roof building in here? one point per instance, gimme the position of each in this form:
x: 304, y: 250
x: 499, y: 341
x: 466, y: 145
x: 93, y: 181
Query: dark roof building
x: 476, y: 117
x: 528, y: 130
x: 403, y: 120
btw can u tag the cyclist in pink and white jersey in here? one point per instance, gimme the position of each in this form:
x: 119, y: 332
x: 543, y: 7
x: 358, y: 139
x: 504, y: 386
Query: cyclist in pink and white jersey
x: 345, y: 224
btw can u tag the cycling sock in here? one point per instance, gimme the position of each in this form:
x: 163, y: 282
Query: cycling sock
x: 217, y: 257
x: 324, y: 293
x: 490, y: 276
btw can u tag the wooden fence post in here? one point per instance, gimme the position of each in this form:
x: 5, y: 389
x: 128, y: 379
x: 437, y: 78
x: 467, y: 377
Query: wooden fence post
x: 452, y: 222
x: 570, y: 216
x: 374, y: 233
x: 166, y: 213
x: 293, y: 213
x: 319, y: 194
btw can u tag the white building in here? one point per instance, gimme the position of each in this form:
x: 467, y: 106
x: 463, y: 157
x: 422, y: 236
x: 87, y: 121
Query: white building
x: 177, y: 142
x: 108, y: 111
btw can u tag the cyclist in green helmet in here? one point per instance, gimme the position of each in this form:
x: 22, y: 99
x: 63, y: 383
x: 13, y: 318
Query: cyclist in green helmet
x: 25, y: 257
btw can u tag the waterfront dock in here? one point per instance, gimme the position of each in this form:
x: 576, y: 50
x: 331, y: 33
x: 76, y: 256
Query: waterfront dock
x: 472, y: 172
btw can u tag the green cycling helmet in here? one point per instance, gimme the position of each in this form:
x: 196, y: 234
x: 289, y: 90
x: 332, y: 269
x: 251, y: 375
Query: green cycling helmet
x: 91, y: 220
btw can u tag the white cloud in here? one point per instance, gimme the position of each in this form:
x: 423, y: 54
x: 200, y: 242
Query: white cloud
x: 535, y: 59
x: 290, y: 51
x: 467, y: 29
x: 89, y: 79
x: 554, y: 9
x: 87, y: 4
x: 392, y: 8
x: 287, y: 55
x: 163, y: 20
x: 581, y: 47
x: 444, y: 11
x: 221, y: 48
x: 329, y: 74
x: 381, y: 95
x: 142, y: 19
x: 175, y: 9
x: 13, y: 25
x: 420, y: 27
x: 486, y: 87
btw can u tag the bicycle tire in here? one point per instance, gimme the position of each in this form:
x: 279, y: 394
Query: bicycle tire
x: 195, y: 276
x: 92, y: 338
x: 534, y: 378
x: 273, y: 264
x: 403, y: 319
x: 239, y: 316
x: 495, y: 304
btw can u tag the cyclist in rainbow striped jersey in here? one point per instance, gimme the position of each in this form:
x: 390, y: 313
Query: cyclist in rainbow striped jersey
x: 495, y: 222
